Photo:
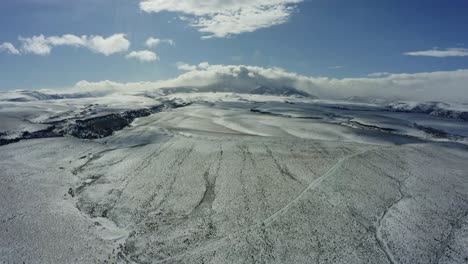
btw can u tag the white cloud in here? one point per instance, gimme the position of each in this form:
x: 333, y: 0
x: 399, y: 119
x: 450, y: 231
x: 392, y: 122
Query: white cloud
x: 107, y: 46
x: 335, y: 67
x: 154, y: 42
x: 378, y: 74
x: 143, y: 55
x: 36, y: 44
x: 450, y: 52
x: 186, y: 67
x: 203, y: 65
x: 9, y: 48
x: 66, y: 40
x: 42, y: 45
x: 221, y: 18
x: 440, y: 86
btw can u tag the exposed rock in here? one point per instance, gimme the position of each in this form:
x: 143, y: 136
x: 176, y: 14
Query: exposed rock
x: 46, y: 133
x: 97, y: 127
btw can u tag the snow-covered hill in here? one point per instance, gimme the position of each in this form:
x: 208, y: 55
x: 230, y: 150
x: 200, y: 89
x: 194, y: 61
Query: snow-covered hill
x: 440, y: 109
x: 185, y: 175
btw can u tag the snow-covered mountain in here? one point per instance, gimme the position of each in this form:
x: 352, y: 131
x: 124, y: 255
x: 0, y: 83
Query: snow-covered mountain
x: 282, y: 91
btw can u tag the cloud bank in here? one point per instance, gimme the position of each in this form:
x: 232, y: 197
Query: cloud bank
x: 41, y: 45
x: 441, y: 86
x: 221, y: 18
x: 143, y: 55
x: 450, y: 52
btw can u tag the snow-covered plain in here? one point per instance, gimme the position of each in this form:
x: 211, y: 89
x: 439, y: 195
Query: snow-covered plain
x: 204, y: 177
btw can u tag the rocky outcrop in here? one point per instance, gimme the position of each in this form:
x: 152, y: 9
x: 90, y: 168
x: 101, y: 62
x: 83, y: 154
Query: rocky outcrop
x: 46, y: 133
x: 94, y: 127
x: 97, y: 127
x: 104, y: 126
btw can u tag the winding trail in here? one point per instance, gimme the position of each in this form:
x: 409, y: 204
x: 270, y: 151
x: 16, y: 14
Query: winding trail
x: 314, y: 184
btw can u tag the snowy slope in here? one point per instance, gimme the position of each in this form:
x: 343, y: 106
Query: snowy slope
x: 439, y: 109
x: 225, y: 177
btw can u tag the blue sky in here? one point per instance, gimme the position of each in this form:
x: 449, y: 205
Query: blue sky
x: 334, y: 38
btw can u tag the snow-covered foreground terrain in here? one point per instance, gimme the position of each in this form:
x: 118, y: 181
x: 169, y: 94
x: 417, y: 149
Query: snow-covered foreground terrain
x: 229, y: 178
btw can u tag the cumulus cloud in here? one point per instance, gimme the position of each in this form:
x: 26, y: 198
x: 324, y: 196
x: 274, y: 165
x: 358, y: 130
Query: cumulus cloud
x: 450, y: 52
x: 154, y: 42
x: 203, y: 65
x: 221, y: 18
x: 186, y: 67
x: 65, y: 40
x: 36, y: 44
x: 107, y: 46
x: 9, y: 48
x: 143, y: 55
x: 41, y: 45
x: 443, y: 85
